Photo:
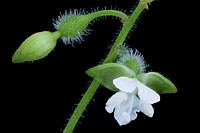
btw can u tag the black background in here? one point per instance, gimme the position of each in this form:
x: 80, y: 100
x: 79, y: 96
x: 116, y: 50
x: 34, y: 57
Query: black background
x: 40, y: 96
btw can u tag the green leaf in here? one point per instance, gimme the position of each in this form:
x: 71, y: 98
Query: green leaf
x: 107, y: 72
x: 157, y: 82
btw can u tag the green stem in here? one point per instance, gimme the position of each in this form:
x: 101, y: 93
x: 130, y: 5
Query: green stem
x: 110, y: 58
x: 112, y: 55
x: 115, y: 13
x: 81, y: 106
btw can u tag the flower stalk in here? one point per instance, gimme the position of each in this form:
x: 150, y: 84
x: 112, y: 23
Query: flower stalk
x: 112, y: 55
x: 110, y: 58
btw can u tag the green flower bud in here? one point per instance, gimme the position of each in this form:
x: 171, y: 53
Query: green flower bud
x: 133, y: 60
x: 146, y: 3
x: 74, y: 25
x: 73, y: 28
x: 36, y: 46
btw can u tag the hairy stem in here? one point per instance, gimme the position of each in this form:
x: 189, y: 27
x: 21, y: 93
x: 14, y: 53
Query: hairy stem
x: 81, y: 107
x: 115, y: 13
x: 112, y: 55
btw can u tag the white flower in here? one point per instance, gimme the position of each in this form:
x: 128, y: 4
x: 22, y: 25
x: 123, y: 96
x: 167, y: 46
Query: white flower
x: 133, y: 97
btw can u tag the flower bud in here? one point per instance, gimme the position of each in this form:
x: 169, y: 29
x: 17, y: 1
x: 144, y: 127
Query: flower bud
x: 146, y: 3
x: 73, y: 26
x: 36, y: 46
x: 133, y: 60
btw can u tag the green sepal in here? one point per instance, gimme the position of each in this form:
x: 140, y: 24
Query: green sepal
x: 107, y: 72
x: 157, y: 82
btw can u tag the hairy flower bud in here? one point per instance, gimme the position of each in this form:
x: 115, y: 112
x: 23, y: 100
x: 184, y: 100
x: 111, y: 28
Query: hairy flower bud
x: 74, y: 25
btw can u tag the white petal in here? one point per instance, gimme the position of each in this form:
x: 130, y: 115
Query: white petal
x: 127, y: 111
x: 122, y: 112
x: 146, y: 108
x: 122, y: 117
x: 135, y: 108
x: 134, y: 114
x: 147, y: 94
x: 109, y: 108
x: 125, y: 84
x: 126, y: 116
x: 115, y: 101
